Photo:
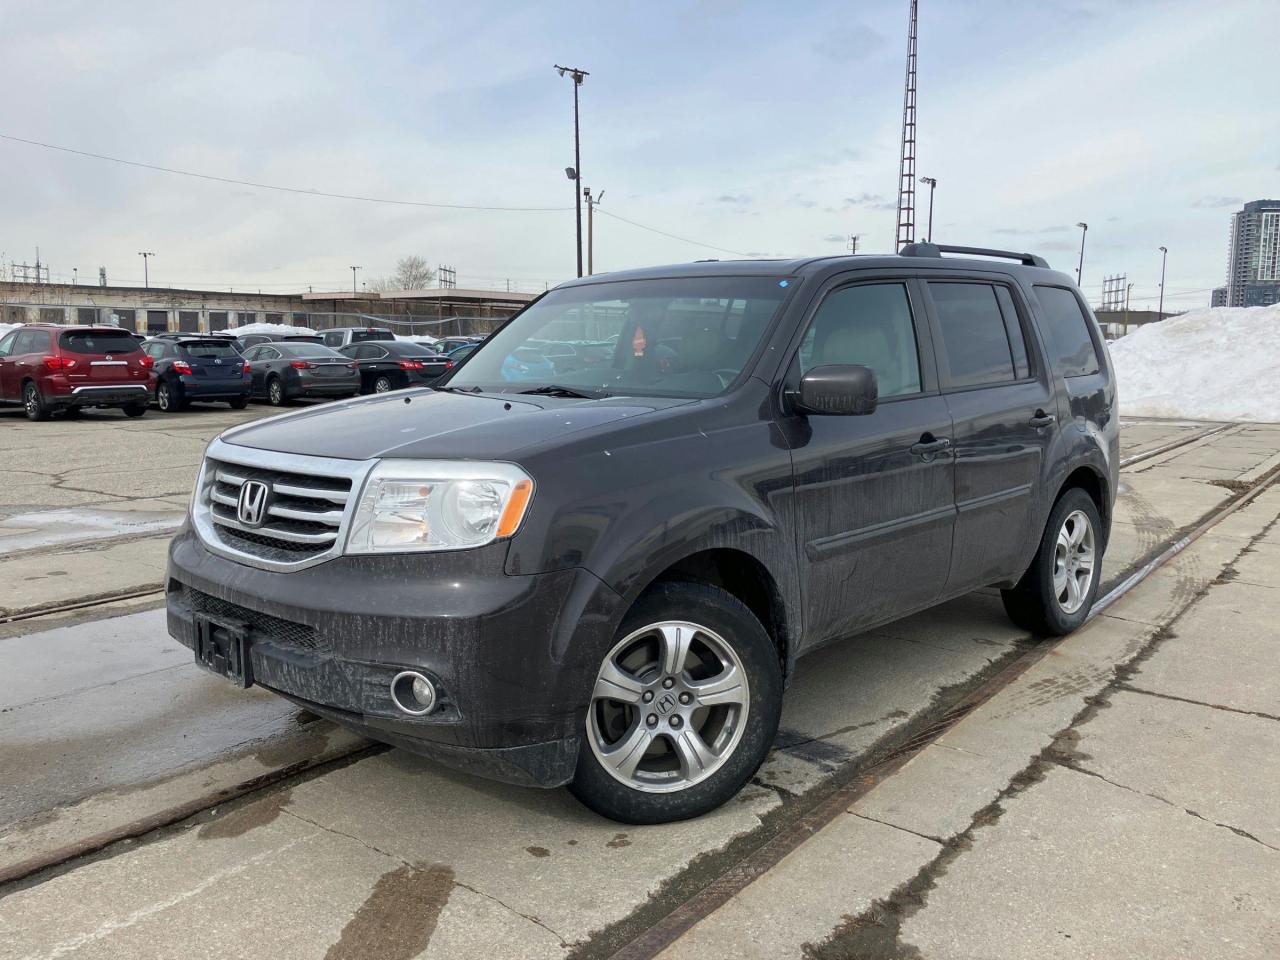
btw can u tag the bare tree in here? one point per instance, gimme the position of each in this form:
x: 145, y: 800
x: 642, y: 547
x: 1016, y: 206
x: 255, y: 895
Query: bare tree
x: 412, y: 273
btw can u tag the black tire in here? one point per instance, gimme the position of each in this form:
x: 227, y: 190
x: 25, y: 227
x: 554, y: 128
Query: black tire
x: 168, y: 399
x: 1034, y: 604
x: 239, y: 403
x: 135, y: 410
x: 72, y: 413
x: 383, y: 384
x: 723, y: 613
x: 33, y: 403
x: 275, y: 392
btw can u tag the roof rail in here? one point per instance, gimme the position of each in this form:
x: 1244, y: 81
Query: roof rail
x: 938, y: 249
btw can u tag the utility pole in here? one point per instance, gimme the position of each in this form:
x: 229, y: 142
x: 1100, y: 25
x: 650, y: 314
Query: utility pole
x: 575, y: 172
x: 932, y: 183
x: 591, y: 210
x: 1084, y: 229
x: 907, y: 164
x: 75, y: 276
x: 853, y: 243
x: 146, y: 274
x: 1164, y: 254
x: 353, y: 280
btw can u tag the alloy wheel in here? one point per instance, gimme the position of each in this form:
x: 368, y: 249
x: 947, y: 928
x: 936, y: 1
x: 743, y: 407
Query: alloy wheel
x: 669, y: 707
x: 276, y: 394
x: 31, y: 400
x: 382, y: 385
x: 1073, y: 562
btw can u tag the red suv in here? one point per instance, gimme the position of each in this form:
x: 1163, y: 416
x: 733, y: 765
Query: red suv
x: 48, y: 368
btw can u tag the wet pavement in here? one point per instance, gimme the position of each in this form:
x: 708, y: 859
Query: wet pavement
x: 423, y: 861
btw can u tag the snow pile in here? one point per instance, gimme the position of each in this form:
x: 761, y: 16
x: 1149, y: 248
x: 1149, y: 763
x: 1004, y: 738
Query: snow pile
x: 6, y: 327
x: 1220, y: 363
x: 270, y: 328
x: 417, y: 338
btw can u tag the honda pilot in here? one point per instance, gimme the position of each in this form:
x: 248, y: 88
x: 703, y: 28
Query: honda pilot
x: 606, y: 579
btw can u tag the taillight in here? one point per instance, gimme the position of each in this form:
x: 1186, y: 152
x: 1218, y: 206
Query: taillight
x: 147, y: 361
x: 352, y: 366
x: 410, y: 364
x: 301, y: 364
x: 247, y: 369
x: 59, y: 363
x: 448, y: 364
x: 181, y: 366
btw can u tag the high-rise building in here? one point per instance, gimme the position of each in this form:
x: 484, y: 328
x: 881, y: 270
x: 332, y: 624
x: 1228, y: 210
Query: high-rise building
x: 1253, y: 260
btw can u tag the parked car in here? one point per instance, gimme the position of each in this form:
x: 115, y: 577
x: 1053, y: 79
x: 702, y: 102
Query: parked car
x: 605, y: 580
x: 50, y: 368
x: 201, y: 368
x: 449, y: 344
x: 248, y: 340
x: 284, y: 371
x: 460, y: 353
x: 526, y: 363
x: 342, y: 336
x: 395, y: 364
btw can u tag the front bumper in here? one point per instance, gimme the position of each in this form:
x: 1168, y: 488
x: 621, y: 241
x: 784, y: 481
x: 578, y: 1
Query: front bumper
x: 514, y: 657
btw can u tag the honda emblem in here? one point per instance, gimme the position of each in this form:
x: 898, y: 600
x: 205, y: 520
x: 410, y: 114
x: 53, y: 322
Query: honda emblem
x: 251, y: 506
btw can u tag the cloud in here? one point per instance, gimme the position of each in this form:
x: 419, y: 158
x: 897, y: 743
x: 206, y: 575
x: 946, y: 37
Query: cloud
x: 873, y: 201
x: 1027, y: 231
x: 855, y: 42
x: 835, y: 238
x: 802, y: 201
x: 737, y: 199
x: 1214, y: 202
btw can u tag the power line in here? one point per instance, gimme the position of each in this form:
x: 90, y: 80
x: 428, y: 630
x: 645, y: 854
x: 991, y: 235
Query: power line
x: 672, y: 236
x: 272, y: 186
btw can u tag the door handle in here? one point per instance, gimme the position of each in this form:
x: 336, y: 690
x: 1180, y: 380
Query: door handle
x: 929, y: 447
x: 1042, y: 419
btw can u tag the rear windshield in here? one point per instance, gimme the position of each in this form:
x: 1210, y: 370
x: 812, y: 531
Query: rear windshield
x: 403, y: 349
x: 98, y: 341
x: 359, y: 336
x: 209, y: 350
x: 307, y: 350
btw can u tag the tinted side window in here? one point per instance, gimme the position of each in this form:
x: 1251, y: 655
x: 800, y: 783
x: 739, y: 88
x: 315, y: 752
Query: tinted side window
x: 32, y: 341
x: 7, y: 343
x: 332, y: 339
x: 1066, y: 332
x: 975, y: 346
x: 1012, y: 326
x: 868, y: 324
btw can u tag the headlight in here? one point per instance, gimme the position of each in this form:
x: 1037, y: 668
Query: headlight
x: 417, y: 505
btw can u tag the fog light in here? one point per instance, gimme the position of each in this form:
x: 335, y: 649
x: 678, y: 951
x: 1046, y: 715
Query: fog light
x: 413, y: 693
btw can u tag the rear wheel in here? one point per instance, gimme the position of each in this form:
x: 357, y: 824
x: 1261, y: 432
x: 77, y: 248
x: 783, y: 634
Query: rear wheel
x: 135, y: 410
x: 33, y: 403
x: 72, y: 413
x: 1057, y: 592
x: 383, y: 385
x: 167, y: 399
x: 684, y: 708
x: 275, y: 392
x: 239, y: 403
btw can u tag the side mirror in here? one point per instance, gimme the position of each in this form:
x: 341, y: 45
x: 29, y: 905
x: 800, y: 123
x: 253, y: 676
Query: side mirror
x: 838, y: 389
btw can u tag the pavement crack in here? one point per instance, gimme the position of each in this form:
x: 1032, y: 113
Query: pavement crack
x: 1130, y: 688
x: 417, y: 866
x: 896, y: 826
x: 506, y: 906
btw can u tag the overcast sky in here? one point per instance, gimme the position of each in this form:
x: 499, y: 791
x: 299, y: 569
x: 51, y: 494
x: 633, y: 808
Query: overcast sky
x: 757, y: 128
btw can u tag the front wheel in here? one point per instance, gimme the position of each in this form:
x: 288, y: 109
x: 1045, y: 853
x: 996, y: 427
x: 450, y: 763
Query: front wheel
x: 135, y: 410
x: 239, y: 403
x: 275, y: 393
x: 1057, y: 592
x: 684, y: 709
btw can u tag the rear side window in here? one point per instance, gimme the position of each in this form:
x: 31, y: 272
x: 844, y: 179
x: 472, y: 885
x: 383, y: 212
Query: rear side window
x: 1066, y: 332
x: 32, y: 341
x: 97, y: 341
x: 975, y: 341
x: 1013, y: 327
x: 870, y: 325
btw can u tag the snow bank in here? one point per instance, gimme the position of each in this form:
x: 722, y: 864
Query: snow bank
x: 6, y: 327
x: 1218, y: 363
x: 417, y: 338
x: 269, y: 328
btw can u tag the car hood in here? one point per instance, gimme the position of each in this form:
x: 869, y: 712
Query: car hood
x: 431, y: 424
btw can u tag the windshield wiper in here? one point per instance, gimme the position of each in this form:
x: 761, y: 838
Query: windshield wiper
x: 449, y: 389
x: 558, y: 390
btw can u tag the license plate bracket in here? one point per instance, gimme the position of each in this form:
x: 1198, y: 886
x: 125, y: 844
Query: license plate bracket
x: 222, y: 648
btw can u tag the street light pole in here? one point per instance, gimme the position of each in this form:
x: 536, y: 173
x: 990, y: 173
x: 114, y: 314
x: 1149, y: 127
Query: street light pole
x: 1084, y: 230
x: 353, y: 280
x: 576, y: 175
x: 932, y: 182
x: 146, y: 276
x: 1164, y: 254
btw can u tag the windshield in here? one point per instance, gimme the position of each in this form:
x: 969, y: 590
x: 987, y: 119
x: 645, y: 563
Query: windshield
x: 360, y: 336
x: 687, y: 337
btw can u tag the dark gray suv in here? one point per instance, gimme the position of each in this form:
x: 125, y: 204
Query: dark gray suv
x: 605, y: 580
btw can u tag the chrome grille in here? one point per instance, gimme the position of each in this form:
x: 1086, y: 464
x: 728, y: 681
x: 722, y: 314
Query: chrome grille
x: 307, y: 506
